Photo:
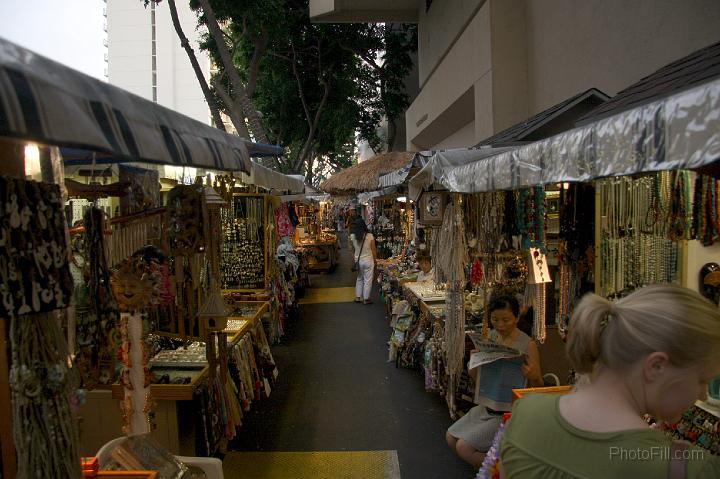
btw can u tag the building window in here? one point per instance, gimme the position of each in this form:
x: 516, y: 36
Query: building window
x: 154, y: 52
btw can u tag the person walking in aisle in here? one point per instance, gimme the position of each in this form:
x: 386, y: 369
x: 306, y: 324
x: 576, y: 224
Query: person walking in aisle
x: 652, y: 352
x: 364, y: 254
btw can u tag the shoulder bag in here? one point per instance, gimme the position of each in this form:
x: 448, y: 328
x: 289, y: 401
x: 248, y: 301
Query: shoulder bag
x: 356, y: 264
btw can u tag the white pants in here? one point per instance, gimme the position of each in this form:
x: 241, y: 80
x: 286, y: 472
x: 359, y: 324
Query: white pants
x: 363, y: 284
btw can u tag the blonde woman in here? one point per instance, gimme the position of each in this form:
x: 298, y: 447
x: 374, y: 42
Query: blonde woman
x: 653, y: 352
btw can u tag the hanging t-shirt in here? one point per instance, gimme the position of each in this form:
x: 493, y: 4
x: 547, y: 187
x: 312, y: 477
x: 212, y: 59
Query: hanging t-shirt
x: 282, y: 220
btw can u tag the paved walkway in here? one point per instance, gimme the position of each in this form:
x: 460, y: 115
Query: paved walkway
x: 337, y: 392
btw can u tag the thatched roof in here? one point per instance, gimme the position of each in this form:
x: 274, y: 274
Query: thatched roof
x: 365, y: 175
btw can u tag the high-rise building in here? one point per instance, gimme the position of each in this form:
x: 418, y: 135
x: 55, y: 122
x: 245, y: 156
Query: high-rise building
x: 145, y: 56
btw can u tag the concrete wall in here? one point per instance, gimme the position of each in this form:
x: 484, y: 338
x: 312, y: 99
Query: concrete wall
x: 515, y: 58
x: 439, y: 27
x: 460, y: 139
x: 130, y: 56
x: 442, y: 106
x: 609, y: 44
x: 178, y: 87
x: 483, y: 78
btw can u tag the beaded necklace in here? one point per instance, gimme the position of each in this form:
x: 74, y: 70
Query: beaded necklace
x: 641, y: 218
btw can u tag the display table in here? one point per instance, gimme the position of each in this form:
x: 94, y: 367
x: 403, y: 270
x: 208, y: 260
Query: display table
x: 100, y: 417
x: 238, y: 326
x: 321, y: 253
x: 425, y: 291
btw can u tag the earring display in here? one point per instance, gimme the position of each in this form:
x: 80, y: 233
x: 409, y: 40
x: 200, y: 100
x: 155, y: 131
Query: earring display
x: 33, y: 248
x: 698, y: 427
x: 242, y: 263
x: 184, y: 209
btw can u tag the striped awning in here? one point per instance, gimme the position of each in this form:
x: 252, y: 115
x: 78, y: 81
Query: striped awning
x: 47, y: 102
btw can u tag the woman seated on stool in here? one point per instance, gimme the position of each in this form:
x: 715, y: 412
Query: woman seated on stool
x: 471, y: 436
x: 426, y: 268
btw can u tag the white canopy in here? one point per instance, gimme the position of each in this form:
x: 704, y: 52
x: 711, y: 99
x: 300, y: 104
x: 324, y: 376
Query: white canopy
x: 273, y: 180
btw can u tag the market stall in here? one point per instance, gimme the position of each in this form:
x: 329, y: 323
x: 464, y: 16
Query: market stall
x: 316, y: 235
x: 128, y: 285
x: 609, y: 207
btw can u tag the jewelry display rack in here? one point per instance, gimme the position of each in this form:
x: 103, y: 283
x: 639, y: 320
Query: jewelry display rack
x: 172, y: 400
x: 244, y: 251
x: 184, y: 392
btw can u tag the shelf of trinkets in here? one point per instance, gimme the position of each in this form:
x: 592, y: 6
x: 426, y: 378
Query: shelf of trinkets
x: 700, y: 425
x: 182, y: 363
x: 426, y: 291
x: 180, y: 358
x: 246, y: 309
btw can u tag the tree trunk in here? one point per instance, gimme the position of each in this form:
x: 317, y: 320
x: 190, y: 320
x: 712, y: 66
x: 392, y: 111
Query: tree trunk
x: 209, y: 98
x: 233, y: 110
x: 391, y: 134
x: 240, y: 93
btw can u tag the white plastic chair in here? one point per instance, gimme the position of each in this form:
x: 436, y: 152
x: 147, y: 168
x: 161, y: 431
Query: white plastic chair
x: 551, y: 379
x: 211, y: 466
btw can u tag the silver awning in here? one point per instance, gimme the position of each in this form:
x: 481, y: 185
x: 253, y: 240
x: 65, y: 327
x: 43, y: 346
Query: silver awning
x: 681, y: 131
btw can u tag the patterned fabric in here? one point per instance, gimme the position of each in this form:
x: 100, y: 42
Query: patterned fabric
x: 282, y: 220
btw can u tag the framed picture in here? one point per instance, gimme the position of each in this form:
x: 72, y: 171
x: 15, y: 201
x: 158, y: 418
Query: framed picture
x: 431, y: 208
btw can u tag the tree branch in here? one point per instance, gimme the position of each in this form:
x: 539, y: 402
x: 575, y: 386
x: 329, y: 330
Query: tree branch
x: 230, y: 69
x: 300, y: 88
x: 364, y: 55
x: 209, y: 98
x: 261, y: 45
x: 313, y: 127
x: 232, y: 109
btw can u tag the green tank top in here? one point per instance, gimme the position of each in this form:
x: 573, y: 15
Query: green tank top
x: 539, y: 443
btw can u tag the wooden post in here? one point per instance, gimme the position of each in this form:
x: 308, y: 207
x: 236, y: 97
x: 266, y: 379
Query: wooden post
x: 9, y: 458
x: 12, y: 163
x: 139, y: 394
